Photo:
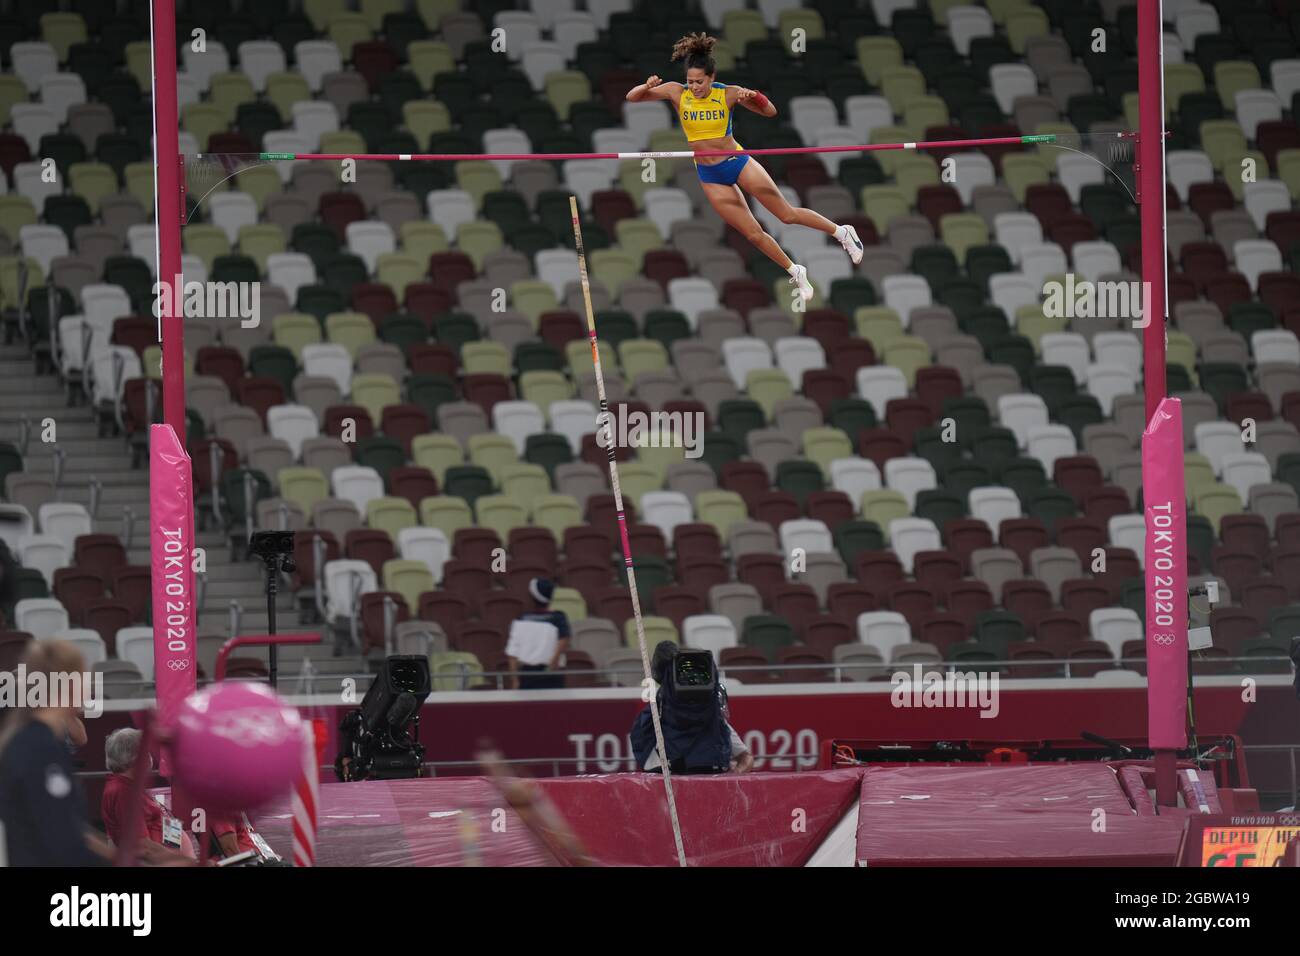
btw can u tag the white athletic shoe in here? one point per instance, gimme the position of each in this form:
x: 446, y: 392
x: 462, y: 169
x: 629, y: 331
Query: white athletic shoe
x: 800, y: 280
x: 852, y: 244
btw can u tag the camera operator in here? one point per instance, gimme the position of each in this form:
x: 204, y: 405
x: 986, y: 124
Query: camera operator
x: 693, y: 714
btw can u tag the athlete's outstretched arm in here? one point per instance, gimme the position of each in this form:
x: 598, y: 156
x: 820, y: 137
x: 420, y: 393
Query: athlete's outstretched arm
x: 755, y: 101
x: 653, y: 89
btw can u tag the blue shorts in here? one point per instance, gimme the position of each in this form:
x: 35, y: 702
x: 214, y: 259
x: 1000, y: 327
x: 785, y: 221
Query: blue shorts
x: 724, y: 173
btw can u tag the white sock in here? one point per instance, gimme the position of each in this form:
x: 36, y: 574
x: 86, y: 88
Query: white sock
x: 841, y: 232
x: 793, y: 267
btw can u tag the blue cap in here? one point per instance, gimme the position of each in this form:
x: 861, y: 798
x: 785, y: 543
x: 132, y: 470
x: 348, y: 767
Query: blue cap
x: 541, y: 590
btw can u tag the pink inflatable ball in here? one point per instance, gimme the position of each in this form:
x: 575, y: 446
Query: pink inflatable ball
x: 236, y: 746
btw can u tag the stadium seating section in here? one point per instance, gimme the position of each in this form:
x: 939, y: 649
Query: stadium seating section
x: 960, y: 470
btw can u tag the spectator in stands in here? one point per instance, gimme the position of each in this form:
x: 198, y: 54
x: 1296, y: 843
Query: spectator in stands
x: 538, y: 639
x: 160, y: 828
x: 42, y: 805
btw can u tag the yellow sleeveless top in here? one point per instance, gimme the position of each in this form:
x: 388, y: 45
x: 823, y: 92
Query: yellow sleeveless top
x: 707, y: 118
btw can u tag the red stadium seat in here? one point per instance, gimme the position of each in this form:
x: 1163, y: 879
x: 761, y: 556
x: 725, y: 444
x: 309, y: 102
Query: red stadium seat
x: 831, y: 508
x: 828, y: 327
x: 587, y: 576
x: 98, y: 552
x: 405, y: 423
x: 107, y: 616
x: 133, y: 586
x: 533, y: 546
x: 1023, y: 535
x: 485, y: 641
x: 613, y: 604
x: 775, y: 508
x: 338, y: 209
x: 259, y: 394
x: 647, y: 540
x: 846, y: 600
x: 764, y: 572
x: 499, y: 608
x: 448, y: 611
x: 371, y: 546
x: 475, y: 546
x: 519, y: 575
x: 702, y: 572
x: 797, y: 603
x: 849, y: 356
x: 374, y: 299
x: 878, y: 570
x: 426, y: 300
x: 936, y: 384
x: 965, y: 535
x: 799, y: 657
x: 677, y: 602
x: 968, y: 599
x: 937, y: 570
x: 225, y: 363
x: 76, y: 588
x: 748, y: 479
x: 585, y: 541
x: 560, y: 327
x: 464, y: 579
x: 1029, y: 600
x: 337, y: 416
x: 913, y: 600
x: 450, y: 269
x: 944, y: 630
x: 741, y: 658
x: 882, y: 444
x: 373, y: 616
x: 825, y: 632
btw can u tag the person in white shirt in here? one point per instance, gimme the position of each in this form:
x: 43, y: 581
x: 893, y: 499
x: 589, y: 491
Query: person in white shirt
x: 538, y: 640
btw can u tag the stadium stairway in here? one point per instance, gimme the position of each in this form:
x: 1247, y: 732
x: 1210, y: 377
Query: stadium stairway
x: 123, y: 497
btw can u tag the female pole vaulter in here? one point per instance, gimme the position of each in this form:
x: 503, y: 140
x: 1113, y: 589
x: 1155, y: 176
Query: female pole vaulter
x: 705, y: 109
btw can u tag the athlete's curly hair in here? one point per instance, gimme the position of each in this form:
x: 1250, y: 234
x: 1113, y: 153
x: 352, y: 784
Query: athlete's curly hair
x: 697, y: 50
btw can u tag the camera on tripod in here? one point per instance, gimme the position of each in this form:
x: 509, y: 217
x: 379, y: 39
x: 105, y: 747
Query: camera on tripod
x: 374, y: 740
x: 270, y: 545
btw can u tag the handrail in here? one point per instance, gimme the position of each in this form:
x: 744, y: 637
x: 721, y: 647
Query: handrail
x: 466, y: 671
x: 243, y: 640
x: 318, y: 551
x: 128, y: 520
x: 58, y: 462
